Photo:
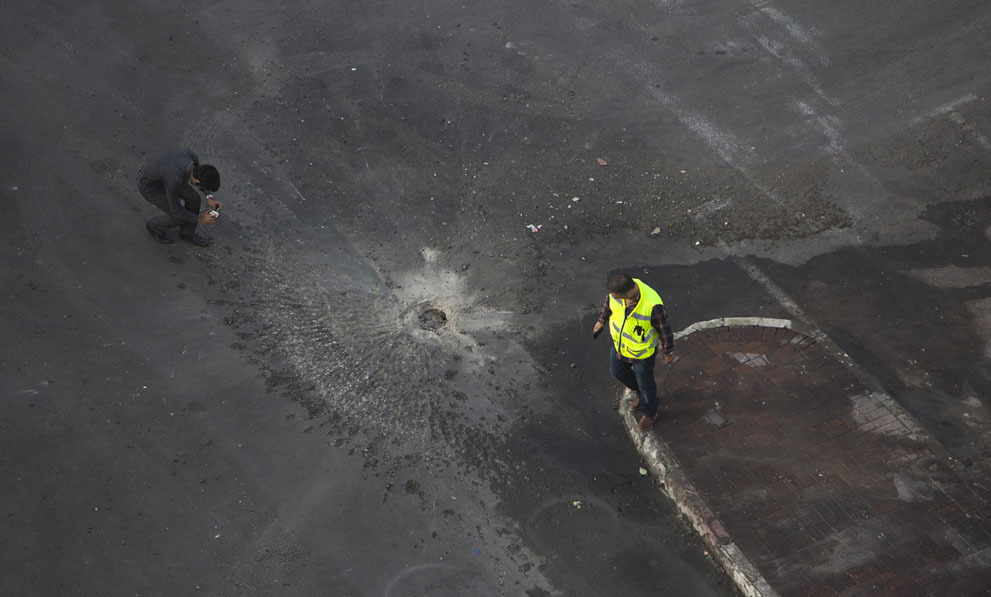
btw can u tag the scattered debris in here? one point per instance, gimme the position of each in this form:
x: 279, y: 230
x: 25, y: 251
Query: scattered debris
x: 601, y: 162
x: 577, y: 504
x: 575, y: 199
x: 656, y: 231
x: 715, y: 418
x: 534, y: 228
x: 643, y: 472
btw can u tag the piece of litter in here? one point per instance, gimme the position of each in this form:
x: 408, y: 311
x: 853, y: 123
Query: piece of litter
x: 655, y: 231
x: 577, y: 504
x: 534, y: 228
x: 575, y: 199
x: 643, y: 471
x: 601, y: 162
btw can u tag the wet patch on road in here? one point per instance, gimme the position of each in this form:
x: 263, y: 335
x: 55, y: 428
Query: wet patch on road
x: 916, y: 317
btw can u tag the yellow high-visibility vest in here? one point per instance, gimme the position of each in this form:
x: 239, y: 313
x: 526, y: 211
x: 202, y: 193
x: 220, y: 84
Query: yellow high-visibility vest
x: 632, y: 335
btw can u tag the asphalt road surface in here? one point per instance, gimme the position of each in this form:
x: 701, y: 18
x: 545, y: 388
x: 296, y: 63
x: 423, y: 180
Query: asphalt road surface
x: 380, y: 379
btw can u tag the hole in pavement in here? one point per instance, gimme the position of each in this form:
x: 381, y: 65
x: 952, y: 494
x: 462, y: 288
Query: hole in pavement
x: 432, y: 318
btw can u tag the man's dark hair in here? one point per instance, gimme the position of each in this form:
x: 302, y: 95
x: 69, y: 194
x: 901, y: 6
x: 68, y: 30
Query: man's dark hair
x: 208, y: 176
x: 621, y: 284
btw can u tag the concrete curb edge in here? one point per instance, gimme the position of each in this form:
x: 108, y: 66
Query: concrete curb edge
x: 682, y: 492
x: 679, y: 488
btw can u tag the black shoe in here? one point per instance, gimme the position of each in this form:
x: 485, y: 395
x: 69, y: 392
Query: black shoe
x: 163, y: 237
x: 197, y: 239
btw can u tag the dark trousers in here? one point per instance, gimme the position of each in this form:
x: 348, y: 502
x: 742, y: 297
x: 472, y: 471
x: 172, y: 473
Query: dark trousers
x: 639, y: 377
x: 154, y: 193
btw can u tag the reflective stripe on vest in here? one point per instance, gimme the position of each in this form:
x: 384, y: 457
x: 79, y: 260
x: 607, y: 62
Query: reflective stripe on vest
x: 633, y: 336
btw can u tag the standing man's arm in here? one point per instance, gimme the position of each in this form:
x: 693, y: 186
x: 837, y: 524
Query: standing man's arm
x: 659, y: 320
x: 603, y: 319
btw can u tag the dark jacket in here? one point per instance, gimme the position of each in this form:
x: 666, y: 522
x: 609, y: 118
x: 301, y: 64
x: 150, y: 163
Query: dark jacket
x: 170, y: 173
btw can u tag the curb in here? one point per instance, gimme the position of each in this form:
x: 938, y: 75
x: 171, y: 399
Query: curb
x: 680, y: 489
x: 682, y: 492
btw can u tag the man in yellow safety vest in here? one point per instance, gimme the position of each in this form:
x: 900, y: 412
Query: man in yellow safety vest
x: 638, y: 323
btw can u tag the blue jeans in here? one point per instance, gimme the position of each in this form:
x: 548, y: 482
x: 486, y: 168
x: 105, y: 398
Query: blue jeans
x: 639, y: 377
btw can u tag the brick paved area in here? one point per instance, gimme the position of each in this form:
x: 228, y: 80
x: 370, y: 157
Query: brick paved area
x: 817, y: 481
